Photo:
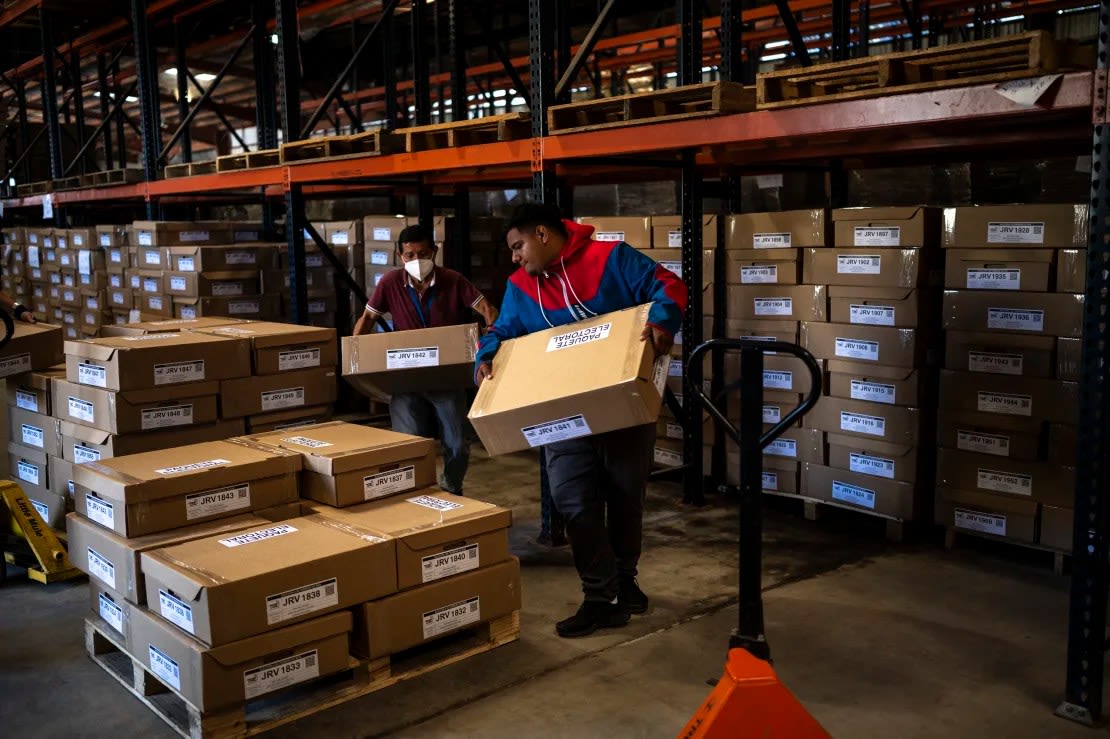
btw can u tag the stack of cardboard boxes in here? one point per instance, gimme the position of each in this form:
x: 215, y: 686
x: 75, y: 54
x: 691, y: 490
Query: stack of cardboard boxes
x: 1013, y: 311
x: 14, y: 273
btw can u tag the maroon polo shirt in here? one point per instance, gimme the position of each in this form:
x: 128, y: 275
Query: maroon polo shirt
x: 448, y: 301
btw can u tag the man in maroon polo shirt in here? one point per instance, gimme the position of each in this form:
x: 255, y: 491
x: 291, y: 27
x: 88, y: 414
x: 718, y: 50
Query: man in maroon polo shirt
x: 422, y: 295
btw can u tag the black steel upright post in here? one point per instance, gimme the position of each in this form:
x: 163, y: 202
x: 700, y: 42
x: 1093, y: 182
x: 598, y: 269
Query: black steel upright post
x: 50, y: 94
x: 180, y: 41
x: 294, y: 233
x: 265, y: 89
x: 562, y: 49
x: 689, y: 43
x: 78, y: 105
x: 541, y: 46
x: 289, y: 97
x: 121, y: 145
x: 457, y: 43
x: 24, y: 127
x: 731, y: 42
x: 422, y: 97
x: 105, y: 105
x: 841, y: 27
x: 389, y: 72
x: 149, y: 105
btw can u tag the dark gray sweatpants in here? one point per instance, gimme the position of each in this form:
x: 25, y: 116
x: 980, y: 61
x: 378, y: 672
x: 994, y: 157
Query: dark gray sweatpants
x: 598, y: 485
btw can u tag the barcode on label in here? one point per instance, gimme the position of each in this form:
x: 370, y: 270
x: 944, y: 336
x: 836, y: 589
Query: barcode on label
x: 301, y: 601
x: 773, y: 306
x: 872, y: 236
x: 176, y: 611
x: 186, y: 264
x: 609, y: 236
x: 32, y: 436
x: 253, y: 537
x: 100, y: 511
x: 240, y: 257
x: 973, y: 441
x: 273, y: 400
x: 987, y: 523
x: 993, y: 279
x: 427, y: 356
x: 451, y: 617
x: 80, y: 409
x: 857, y: 349
x: 85, y: 454
x: 853, y: 494
x: 101, y: 568
x: 772, y: 414
x: 766, y: 274
x: 110, y: 612
x: 224, y: 289
x: 27, y: 401
x: 778, y: 379
x: 164, y: 668
x: 1015, y: 320
x: 387, y: 483
x: 871, y: 315
x: 667, y: 457
x: 770, y: 481
x: 1004, y: 482
x: 1011, y: 405
x: 15, y: 364
x: 160, y: 418
x: 28, y: 472
x: 92, y: 374
x: 192, y: 467
x: 175, y: 372
x: 280, y: 674
x: 450, y: 562
x: 873, y: 391
x: 305, y: 442
x: 571, y: 427
x: 243, y: 307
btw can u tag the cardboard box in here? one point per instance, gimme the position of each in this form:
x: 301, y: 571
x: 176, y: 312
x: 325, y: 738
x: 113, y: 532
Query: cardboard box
x: 872, y: 267
x: 236, y: 283
x: 135, y: 411
x: 1069, y: 357
x: 180, y: 233
x: 250, y: 396
x: 890, y: 423
x: 762, y: 267
x: 1057, y: 528
x: 150, y: 257
x: 775, y: 479
x: 111, y: 236
x: 419, y: 615
x: 247, y: 232
x: 799, y: 445
x: 283, y: 347
x: 1038, y: 481
x: 155, y: 360
x: 290, y: 419
x: 86, y: 444
x: 881, y: 345
x: 876, y: 383
x: 1050, y: 314
x: 855, y: 490
x: 224, y: 588
x: 635, y: 231
x: 113, y: 611
x: 225, y: 676
x: 162, y: 490
x: 792, y: 303
x: 121, y: 297
x: 999, y: 269
x: 33, y: 346
x: 666, y: 232
x: 986, y: 513
x: 220, y: 258
x: 384, y: 230
x: 60, y: 473
x: 253, y: 307
x: 622, y: 388
x: 346, y: 464
x: 874, y: 458
x: 34, y: 430
x: 1028, y: 397
x: 1063, y: 444
x: 986, y: 433
x: 1071, y: 271
x: 405, y: 361
x: 1025, y: 225
x: 782, y: 372
x: 1000, y: 354
x: 145, y: 328
x: 886, y: 227
x: 342, y: 233
x: 51, y: 507
x: 762, y: 329
x: 31, y: 390
x: 794, y: 228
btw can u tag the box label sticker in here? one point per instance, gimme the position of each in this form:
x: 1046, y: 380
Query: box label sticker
x: 110, y: 612
x: 310, y: 260
x: 564, y: 428
x: 1010, y: 405
x: 212, y: 502
x: 1015, y: 319
x: 65, y: 259
x: 247, y: 236
x: 674, y: 239
x: 862, y: 424
x: 81, y: 409
x: 176, y: 611
x: 996, y: 364
x: 192, y: 467
x: 32, y: 436
x: 379, y: 258
x: 281, y: 674
x: 859, y: 264
x: 306, y: 442
x: 450, y: 562
x: 240, y: 258
x: 973, y: 441
x: 100, y: 511
x: 226, y: 289
x: 244, y: 307
x: 674, y: 430
x: 876, y: 392
x: 340, y: 238
x: 292, y: 397
x: 667, y: 457
x: 383, y: 234
x: 186, y: 264
x: 188, y: 312
x: 1015, y: 233
x: 853, y: 494
x: 872, y: 236
x: 106, y: 241
x: 177, y: 284
x: 782, y: 448
x: 69, y: 296
x: 1004, y: 482
x: 868, y: 465
x: 856, y: 349
x: 434, y: 503
x: 609, y: 236
x: 84, y: 262
x: 155, y: 302
x: 771, y: 241
x: 778, y: 379
x: 452, y: 617
x: 581, y: 336
x: 160, y: 418
x: 770, y: 481
x: 83, y: 454
x: 871, y: 315
x: 764, y: 274
x: 34, y: 260
x: 386, y: 483
x: 152, y: 258
x: 301, y: 601
x: 101, y: 568
x: 427, y: 356
x: 115, y: 280
x: 994, y: 279
x: 675, y: 267
x: 986, y: 523
x: 253, y: 537
x: 92, y: 304
x: 28, y: 472
x: 164, y: 668
x: 774, y: 306
x: 92, y: 374
x: 187, y: 236
x: 40, y: 508
x: 317, y: 306
x: 27, y: 401
x: 175, y: 372
x: 15, y: 364
x: 772, y: 414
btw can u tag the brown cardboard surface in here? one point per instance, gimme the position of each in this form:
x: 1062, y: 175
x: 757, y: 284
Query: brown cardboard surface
x: 150, y: 257
x: 874, y: 306
x: 635, y: 231
x: 60, y: 473
x: 155, y: 360
x: 284, y: 420
x: 168, y: 326
x: 986, y: 473
x: 1049, y: 314
x: 881, y: 345
x: 1068, y: 358
x: 1071, y: 271
x: 34, y: 430
x: 792, y: 228
x: 873, y: 458
x: 51, y: 507
x: 108, y: 235
x: 797, y: 445
x: 1057, y: 528
x: 782, y: 372
x: 220, y: 258
x: 762, y: 266
x: 621, y: 389
x: 890, y: 423
x: 29, y: 465
x: 174, y: 233
x: 886, y: 227
x: 383, y: 229
x: 283, y: 347
x: 986, y: 513
x: 666, y: 232
x: 1062, y: 444
x: 424, y: 613
x: 1028, y: 270
x: 1000, y: 354
x: 785, y: 302
x: 33, y: 346
x: 114, y: 611
x: 342, y: 233
x: 865, y: 267
x: 1034, y: 225
x: 86, y: 444
x: 232, y: 283
x: 158, y: 491
x: 876, y: 383
x: 990, y: 433
x: 31, y: 390
x: 250, y: 396
x: 764, y: 330
x: 404, y: 361
x: 887, y: 497
x: 254, y: 307
x: 224, y: 588
x: 1028, y: 397
x: 137, y: 411
x: 777, y: 477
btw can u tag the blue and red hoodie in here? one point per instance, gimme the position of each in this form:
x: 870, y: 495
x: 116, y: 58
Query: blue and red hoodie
x: 588, y: 278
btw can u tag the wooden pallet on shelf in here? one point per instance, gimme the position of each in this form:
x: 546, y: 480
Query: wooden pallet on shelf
x: 277, y: 709
x: 173, y: 171
x: 490, y: 129
x: 34, y: 188
x: 263, y: 158
x: 66, y: 183
x: 656, y: 106
x: 207, y: 166
x: 953, y: 535
x: 978, y: 62
x: 118, y: 176
x: 368, y: 144
x: 814, y: 508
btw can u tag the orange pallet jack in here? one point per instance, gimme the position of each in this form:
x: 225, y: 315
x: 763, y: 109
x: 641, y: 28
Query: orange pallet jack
x: 749, y: 700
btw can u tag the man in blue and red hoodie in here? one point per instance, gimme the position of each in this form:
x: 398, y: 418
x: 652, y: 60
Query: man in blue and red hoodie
x: 567, y: 276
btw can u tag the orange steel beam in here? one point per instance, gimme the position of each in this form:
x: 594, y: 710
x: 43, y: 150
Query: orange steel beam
x: 17, y: 11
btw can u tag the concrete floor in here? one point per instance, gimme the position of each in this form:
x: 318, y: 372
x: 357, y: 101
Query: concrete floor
x: 876, y: 640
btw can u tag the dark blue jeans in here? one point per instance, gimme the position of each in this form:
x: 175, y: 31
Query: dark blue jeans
x: 416, y: 414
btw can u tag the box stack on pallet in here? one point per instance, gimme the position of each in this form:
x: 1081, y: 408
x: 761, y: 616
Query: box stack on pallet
x: 115, y: 241
x: 1013, y: 311
x: 40, y: 243
x: 14, y: 272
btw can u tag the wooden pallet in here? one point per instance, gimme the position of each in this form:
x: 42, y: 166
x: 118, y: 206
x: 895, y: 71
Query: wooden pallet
x: 117, y: 176
x: 1060, y: 559
x: 368, y: 144
x: 34, y: 188
x: 263, y: 158
x: 277, y: 709
x: 678, y: 103
x: 813, y: 509
x: 978, y: 62
x: 66, y: 183
x: 173, y: 171
x: 490, y: 129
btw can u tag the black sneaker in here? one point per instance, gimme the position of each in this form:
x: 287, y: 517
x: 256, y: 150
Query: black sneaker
x: 630, y: 597
x: 592, y: 615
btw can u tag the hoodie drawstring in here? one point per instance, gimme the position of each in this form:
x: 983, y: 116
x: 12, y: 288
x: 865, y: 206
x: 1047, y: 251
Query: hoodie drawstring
x: 575, y: 308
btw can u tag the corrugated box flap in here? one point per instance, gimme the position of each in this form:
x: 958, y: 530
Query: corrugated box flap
x: 186, y: 582
x: 866, y: 370
x: 877, y: 216
x: 236, y: 653
x: 86, y: 348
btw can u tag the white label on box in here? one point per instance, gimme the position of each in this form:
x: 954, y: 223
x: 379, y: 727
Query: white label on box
x: 187, y: 236
x: 225, y: 289
x: 310, y: 260
x: 434, y: 503
x: 782, y: 448
x: 298, y: 359
x: 115, y: 280
x: 876, y: 392
x: 674, y: 430
x: 150, y: 285
x: 674, y: 369
x: 659, y: 373
x: 986, y: 523
x: 306, y: 442
x: 152, y: 258
x: 101, y: 568
x: 771, y: 241
x: 778, y: 379
x: 188, y: 312
x: 383, y: 234
x: 763, y: 274
x: 40, y: 508
x: 84, y: 262
x: 862, y: 424
x: 340, y: 238
x: 301, y: 601
x: 85, y: 454
x: 174, y: 415
x: 998, y: 364
x: 136, y: 282
x: 859, y: 264
x: 155, y: 303
x: 244, y: 307
x: 192, y: 467
x: 240, y: 257
x: 768, y: 181
x: 774, y: 306
x: 770, y: 481
x: 379, y: 258
x: 609, y: 236
x: 853, y: 494
x: 1015, y: 233
x: 1004, y: 482
x: 27, y: 401
x: 177, y: 284
x: 1010, y: 405
x: 69, y: 296
x: 291, y: 397
x: 427, y: 356
x: 317, y: 306
x: 772, y: 414
x: 110, y: 612
x: 386, y: 483
x: 1015, y: 319
x: 674, y: 239
x: 64, y: 258
x: 581, y: 336
x: 32, y: 435
x: 175, y: 372
x: 994, y: 279
x: 176, y: 611
x: 82, y: 410
x: 211, y: 502
x: 451, y: 562
x: 564, y: 428
x: 868, y: 465
x: 92, y: 374
x: 675, y: 267
x: 106, y: 241
x: 100, y: 511
x: 146, y: 238
x: 257, y: 536
x: 452, y: 617
x: 15, y: 364
x: 856, y: 349
x: 92, y: 304
x: 186, y: 264
x: 164, y: 668
x: 882, y: 236
x: 281, y: 674
x: 33, y: 258
x: 973, y: 441
x: 667, y: 457
x: 28, y: 472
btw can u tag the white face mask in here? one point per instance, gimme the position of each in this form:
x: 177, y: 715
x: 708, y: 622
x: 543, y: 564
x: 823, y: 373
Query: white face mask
x: 420, y: 268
